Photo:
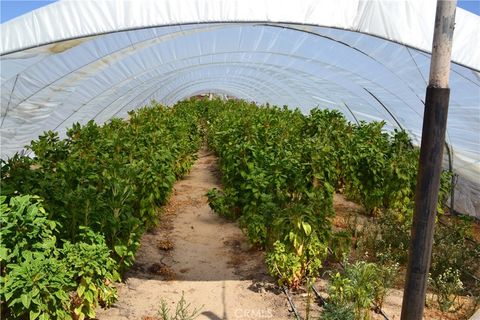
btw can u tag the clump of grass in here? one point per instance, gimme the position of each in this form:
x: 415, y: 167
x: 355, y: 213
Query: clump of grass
x: 182, y: 310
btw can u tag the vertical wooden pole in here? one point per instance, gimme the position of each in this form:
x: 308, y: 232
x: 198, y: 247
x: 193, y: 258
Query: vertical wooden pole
x: 430, y: 165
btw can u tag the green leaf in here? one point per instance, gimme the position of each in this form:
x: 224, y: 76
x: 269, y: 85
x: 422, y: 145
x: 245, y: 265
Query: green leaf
x: 26, y: 299
x: 120, y: 250
x: 89, y: 296
x: 81, y: 289
x: 34, y: 314
x: 8, y: 295
x: 307, y: 228
x: 3, y: 253
x: 35, y: 292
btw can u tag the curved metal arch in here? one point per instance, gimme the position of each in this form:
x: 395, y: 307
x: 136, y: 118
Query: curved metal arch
x: 128, y: 46
x: 195, y: 31
x: 154, y: 83
x: 384, y: 115
x: 255, y: 65
x: 126, y: 50
x: 257, y: 87
x: 172, y: 96
x: 186, y: 95
x: 221, y: 79
x: 313, y: 75
x: 324, y: 94
x: 187, y: 85
x: 231, y: 85
x: 319, y: 62
x: 143, y: 92
x: 258, y: 65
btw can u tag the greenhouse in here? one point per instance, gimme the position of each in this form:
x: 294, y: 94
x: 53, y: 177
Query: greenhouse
x: 297, y: 195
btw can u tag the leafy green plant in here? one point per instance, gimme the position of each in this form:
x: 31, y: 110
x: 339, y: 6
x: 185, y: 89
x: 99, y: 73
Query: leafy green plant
x: 365, y: 163
x: 218, y: 202
x: 340, y: 243
x: 37, y: 286
x: 25, y: 227
x: 301, y: 247
x: 359, y: 285
x: 273, y: 184
x: 387, y: 274
x: 338, y: 312
x: 451, y: 274
x: 45, y: 281
x: 285, y: 264
x: 386, y: 238
x: 279, y: 169
x: 94, y: 271
x: 446, y: 287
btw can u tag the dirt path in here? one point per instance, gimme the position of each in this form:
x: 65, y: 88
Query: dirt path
x: 196, y: 252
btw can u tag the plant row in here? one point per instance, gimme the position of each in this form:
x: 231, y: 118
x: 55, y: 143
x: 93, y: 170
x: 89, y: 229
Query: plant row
x: 96, y: 192
x: 280, y: 169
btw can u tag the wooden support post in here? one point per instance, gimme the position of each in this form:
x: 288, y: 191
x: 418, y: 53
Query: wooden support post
x: 430, y: 165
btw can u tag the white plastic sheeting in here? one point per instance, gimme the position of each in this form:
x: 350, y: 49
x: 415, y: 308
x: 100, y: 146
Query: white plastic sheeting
x: 73, y: 61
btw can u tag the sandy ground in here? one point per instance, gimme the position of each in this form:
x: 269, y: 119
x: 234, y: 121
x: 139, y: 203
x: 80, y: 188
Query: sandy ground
x: 202, y: 255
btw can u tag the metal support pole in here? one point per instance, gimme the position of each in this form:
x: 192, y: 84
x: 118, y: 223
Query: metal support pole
x: 430, y: 165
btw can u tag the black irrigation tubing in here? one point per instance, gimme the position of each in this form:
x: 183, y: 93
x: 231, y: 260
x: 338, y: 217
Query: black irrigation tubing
x: 317, y: 293
x: 376, y: 308
x: 295, y: 311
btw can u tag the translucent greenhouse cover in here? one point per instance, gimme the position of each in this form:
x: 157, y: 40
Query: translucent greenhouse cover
x: 73, y: 61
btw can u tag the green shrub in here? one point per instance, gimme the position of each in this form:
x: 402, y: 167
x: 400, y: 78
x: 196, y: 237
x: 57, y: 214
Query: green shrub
x: 218, y: 202
x: 276, y: 182
x: 94, y: 272
x: 41, y: 280
x: 37, y: 286
x: 25, y: 227
x: 338, y: 312
x: 446, y: 287
x: 360, y: 285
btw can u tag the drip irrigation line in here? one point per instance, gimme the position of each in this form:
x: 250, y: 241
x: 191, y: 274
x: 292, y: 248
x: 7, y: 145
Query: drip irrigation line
x: 295, y: 311
x: 317, y: 293
x: 379, y: 311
